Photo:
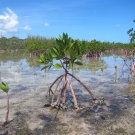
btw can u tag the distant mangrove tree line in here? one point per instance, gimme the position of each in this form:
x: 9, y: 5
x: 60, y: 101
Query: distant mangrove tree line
x: 39, y: 44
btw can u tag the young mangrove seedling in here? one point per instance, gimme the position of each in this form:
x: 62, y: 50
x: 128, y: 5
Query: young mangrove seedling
x: 4, y: 87
x: 68, y: 52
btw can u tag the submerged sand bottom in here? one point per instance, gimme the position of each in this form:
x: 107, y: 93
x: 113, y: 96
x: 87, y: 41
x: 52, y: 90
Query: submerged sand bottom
x: 29, y: 117
x: 27, y: 98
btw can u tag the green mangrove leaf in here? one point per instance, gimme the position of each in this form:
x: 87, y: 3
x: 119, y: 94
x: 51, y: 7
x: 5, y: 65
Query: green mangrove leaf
x: 57, y: 65
x: 78, y: 63
x: 41, y: 59
x: 45, y: 67
x: 55, y: 51
x: 71, y: 45
x: 50, y: 66
x: 102, y: 69
x: 53, y: 54
x: 70, y: 64
x: 47, y: 56
x: 129, y: 31
x: 50, y: 56
x: 4, y: 87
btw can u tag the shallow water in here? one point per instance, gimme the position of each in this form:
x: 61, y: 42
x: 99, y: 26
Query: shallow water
x: 28, y: 85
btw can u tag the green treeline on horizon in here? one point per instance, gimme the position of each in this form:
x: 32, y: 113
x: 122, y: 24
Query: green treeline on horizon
x: 31, y: 43
x: 39, y: 43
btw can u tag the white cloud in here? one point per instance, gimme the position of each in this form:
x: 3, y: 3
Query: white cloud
x: 46, y: 24
x: 27, y: 27
x: 8, y: 22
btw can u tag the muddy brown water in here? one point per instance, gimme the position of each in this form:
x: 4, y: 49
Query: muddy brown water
x: 28, y: 86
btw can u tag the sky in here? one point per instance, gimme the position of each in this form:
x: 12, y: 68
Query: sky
x: 103, y: 20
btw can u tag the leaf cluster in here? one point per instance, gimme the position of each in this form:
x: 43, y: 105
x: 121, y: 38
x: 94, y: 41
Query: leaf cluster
x: 67, y: 50
x: 4, y: 87
x: 131, y: 34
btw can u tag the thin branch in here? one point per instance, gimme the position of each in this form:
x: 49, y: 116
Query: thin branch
x: 63, y: 66
x: 7, y: 113
x: 7, y: 108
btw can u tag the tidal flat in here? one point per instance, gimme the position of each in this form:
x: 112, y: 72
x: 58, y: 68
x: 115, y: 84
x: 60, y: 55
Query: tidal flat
x: 27, y: 90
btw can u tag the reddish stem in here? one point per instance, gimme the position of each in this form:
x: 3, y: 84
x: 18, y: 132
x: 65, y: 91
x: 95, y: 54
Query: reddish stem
x: 73, y: 93
x: 7, y: 113
x: 49, y: 89
x: 60, y: 93
x: 64, y: 95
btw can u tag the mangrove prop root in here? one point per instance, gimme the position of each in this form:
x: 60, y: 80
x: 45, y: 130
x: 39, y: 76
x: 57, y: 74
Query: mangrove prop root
x: 56, y: 88
x: 93, y: 97
x: 64, y: 95
x: 58, y: 104
x: 73, y: 94
x: 49, y: 89
x: 60, y: 93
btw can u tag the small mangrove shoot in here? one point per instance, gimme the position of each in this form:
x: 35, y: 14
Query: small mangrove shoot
x: 68, y: 52
x: 4, y: 87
